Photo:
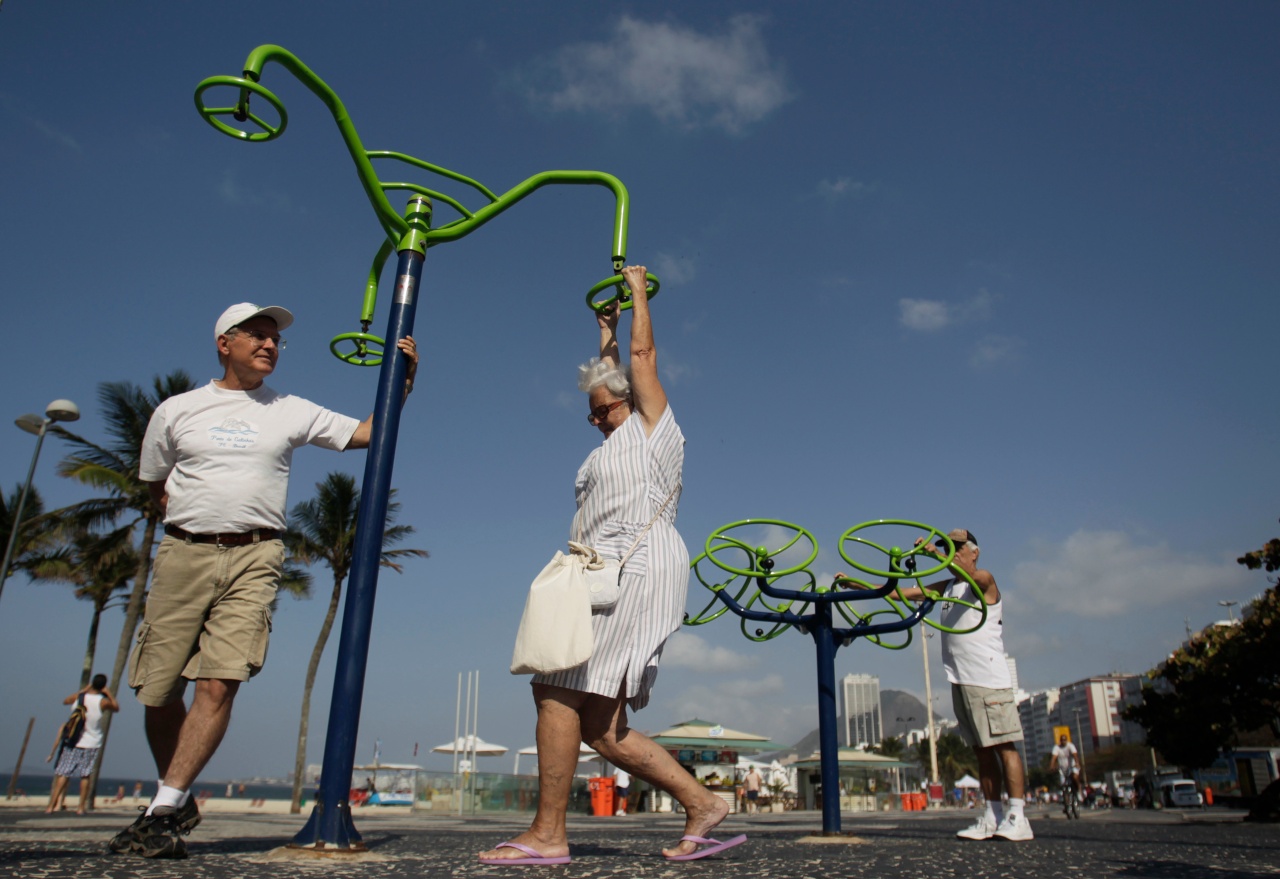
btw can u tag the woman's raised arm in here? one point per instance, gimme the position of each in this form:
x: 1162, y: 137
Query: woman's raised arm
x: 649, y: 397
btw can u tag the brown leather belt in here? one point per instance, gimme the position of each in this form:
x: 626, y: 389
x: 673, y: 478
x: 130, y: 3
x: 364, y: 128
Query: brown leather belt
x: 257, y: 535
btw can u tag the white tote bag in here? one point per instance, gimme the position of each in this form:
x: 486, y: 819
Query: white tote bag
x: 555, y: 629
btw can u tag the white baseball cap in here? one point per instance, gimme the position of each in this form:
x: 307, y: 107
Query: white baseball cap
x: 243, y: 311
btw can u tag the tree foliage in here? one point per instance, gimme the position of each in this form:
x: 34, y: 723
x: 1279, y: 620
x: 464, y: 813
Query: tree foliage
x: 1224, y: 682
x: 322, y: 530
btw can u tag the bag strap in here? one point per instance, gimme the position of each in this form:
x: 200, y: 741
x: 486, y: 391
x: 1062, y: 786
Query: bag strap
x: 636, y: 545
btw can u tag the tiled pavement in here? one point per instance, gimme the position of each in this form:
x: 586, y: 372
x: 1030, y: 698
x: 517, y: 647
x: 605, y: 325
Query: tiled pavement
x: 1140, y: 845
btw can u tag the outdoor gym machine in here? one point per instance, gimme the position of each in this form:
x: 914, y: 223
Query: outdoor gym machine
x: 762, y: 569
x: 330, y: 826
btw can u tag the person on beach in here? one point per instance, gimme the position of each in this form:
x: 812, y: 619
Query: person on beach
x: 981, y: 690
x: 78, y: 759
x: 217, y: 461
x: 753, y: 782
x: 622, y: 485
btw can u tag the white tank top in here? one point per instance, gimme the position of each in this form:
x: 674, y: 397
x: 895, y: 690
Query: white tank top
x: 976, y: 659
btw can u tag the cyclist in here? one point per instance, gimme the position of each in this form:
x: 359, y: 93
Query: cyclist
x: 1067, y: 761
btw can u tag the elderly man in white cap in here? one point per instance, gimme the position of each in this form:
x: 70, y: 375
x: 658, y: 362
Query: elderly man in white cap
x: 217, y: 460
x: 982, y: 690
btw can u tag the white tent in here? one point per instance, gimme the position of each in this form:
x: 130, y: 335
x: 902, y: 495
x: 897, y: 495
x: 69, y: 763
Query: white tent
x: 584, y: 753
x: 968, y: 781
x: 471, y: 745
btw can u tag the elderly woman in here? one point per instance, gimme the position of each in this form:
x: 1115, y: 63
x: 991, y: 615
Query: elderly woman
x: 632, y: 478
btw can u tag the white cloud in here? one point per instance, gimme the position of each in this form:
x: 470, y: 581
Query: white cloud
x: 993, y: 349
x: 232, y: 192
x: 674, y: 269
x: 1102, y: 574
x: 54, y: 135
x: 930, y: 315
x: 842, y: 188
x: 675, y: 372
x: 926, y: 315
x: 685, y: 650
x: 726, y: 80
x: 756, y: 705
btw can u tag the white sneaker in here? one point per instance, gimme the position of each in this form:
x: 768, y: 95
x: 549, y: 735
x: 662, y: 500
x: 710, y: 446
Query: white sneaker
x: 983, y: 828
x: 1015, y: 828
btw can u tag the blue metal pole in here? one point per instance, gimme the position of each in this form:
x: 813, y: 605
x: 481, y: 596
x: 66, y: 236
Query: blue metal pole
x: 330, y: 824
x: 828, y: 741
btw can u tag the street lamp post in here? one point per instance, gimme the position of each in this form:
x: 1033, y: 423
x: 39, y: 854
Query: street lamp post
x: 1084, y: 773
x: 58, y: 410
x: 1231, y: 614
x: 928, y: 707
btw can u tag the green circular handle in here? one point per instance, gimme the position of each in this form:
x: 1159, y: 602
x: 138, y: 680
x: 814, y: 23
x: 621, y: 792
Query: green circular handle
x: 760, y: 553
x: 877, y: 639
x: 706, y: 615
x: 211, y: 114
x: 363, y: 355
x: 979, y: 605
x: 918, y: 550
x: 622, y: 293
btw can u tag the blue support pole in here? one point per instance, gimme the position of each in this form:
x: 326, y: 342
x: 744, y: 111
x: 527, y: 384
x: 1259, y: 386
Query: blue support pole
x: 330, y: 824
x: 828, y: 740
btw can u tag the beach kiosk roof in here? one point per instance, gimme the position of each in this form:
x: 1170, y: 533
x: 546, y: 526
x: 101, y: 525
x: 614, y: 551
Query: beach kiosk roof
x: 852, y: 758
x: 705, y: 734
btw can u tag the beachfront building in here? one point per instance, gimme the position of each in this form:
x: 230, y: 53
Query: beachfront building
x: 1091, y: 710
x: 860, y: 702
x: 1038, y: 714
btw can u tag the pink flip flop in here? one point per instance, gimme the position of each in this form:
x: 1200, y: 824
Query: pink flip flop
x: 533, y: 859
x: 713, y: 847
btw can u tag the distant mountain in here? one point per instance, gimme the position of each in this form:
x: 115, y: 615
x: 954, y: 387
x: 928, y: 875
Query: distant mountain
x: 893, y: 704
x: 898, y: 703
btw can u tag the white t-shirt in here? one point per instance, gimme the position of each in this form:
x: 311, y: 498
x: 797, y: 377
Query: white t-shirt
x: 1066, y: 755
x: 224, y: 455
x: 975, y: 659
x: 621, y: 778
x: 92, y: 735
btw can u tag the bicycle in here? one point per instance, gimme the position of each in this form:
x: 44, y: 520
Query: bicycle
x: 1070, y: 797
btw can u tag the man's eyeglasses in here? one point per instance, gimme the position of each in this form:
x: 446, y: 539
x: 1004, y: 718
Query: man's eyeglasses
x: 259, y: 338
x: 600, y: 413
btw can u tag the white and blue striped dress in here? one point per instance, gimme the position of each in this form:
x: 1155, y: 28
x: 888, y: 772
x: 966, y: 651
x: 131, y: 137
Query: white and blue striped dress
x: 619, y: 488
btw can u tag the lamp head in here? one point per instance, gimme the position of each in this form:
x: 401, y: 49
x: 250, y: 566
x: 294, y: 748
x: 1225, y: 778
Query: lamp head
x: 31, y: 423
x: 62, y: 410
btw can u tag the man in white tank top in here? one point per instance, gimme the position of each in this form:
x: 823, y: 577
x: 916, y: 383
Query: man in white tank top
x: 982, y: 691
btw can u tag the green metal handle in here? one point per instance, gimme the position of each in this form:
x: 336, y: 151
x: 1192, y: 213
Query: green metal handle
x: 364, y: 353
x: 761, y: 553
x: 622, y: 294
x: 240, y: 110
x: 918, y: 550
x: 396, y: 228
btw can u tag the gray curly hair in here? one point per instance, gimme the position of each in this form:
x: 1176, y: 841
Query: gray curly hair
x: 596, y: 372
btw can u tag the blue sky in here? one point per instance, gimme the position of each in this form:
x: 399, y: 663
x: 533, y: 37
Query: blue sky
x: 1009, y: 267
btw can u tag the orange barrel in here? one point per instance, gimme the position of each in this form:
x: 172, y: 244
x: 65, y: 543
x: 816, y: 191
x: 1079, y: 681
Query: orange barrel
x: 601, y: 796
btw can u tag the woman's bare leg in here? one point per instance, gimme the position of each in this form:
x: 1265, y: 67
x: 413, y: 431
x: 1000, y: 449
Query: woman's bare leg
x: 604, y: 727
x: 558, y: 736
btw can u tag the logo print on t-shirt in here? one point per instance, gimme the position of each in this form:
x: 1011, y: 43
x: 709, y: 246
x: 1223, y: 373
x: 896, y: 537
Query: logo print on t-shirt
x: 233, y: 433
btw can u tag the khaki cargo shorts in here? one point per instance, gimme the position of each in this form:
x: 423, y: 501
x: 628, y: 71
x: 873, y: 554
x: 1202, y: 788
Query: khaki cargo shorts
x: 208, y: 616
x: 987, y: 717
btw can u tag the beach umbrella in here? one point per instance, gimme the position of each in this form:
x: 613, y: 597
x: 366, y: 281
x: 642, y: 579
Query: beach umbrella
x: 968, y: 781
x: 471, y: 745
x: 585, y: 752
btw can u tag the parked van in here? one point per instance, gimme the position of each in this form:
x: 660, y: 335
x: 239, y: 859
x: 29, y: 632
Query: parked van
x: 1180, y: 793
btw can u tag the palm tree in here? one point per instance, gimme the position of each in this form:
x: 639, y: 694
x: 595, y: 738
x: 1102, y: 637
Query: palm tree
x: 29, y: 538
x: 113, y: 469
x: 955, y: 759
x: 99, y: 566
x: 322, y: 530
